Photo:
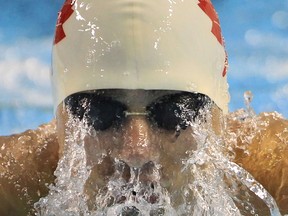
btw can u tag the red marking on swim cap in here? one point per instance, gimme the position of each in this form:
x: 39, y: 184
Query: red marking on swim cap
x: 208, y: 8
x: 63, y: 16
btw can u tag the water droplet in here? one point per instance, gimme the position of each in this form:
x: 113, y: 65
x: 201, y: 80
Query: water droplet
x: 191, y: 86
x: 126, y: 73
x: 81, y: 4
x: 88, y: 6
x: 248, y: 96
x: 115, y: 43
x: 156, y: 45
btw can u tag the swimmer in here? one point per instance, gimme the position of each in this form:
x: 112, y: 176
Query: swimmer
x: 136, y: 86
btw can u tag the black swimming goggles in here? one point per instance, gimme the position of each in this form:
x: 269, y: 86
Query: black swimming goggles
x: 169, y: 112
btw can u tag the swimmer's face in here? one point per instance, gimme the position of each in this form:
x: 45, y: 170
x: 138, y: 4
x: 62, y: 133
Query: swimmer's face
x: 136, y: 137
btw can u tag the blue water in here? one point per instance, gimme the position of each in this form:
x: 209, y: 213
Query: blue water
x: 14, y: 119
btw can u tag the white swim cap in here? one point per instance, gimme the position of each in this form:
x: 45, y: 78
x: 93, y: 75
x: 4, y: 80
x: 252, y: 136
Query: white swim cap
x: 139, y: 44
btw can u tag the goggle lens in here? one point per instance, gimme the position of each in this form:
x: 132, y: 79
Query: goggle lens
x: 170, y: 112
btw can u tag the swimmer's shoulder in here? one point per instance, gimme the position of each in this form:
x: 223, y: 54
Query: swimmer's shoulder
x: 261, y: 147
x: 243, y: 130
x: 27, y: 163
x: 23, y: 148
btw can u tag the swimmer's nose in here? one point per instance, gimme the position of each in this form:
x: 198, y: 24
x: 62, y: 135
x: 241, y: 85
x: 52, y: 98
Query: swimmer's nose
x: 138, y: 147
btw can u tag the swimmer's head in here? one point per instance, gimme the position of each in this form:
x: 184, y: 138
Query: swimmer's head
x: 137, y: 44
x: 136, y: 79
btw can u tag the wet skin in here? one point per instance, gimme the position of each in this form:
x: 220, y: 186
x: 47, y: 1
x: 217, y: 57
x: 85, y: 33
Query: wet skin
x: 137, y: 143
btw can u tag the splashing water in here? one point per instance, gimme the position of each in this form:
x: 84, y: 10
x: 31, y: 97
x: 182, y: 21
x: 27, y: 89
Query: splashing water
x: 248, y: 97
x: 212, y: 185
